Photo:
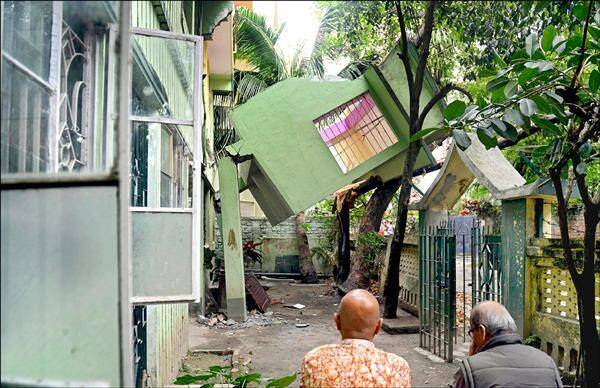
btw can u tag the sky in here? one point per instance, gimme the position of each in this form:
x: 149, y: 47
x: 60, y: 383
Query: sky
x: 301, y: 20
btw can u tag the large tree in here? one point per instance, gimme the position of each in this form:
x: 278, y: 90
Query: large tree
x: 552, y: 84
x: 468, y: 35
x: 417, y: 115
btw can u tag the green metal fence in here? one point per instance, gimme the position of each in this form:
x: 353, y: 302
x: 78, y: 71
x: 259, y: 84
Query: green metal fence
x: 437, y: 279
x: 441, y: 323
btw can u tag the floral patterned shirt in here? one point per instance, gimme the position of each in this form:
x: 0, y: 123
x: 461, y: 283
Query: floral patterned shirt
x: 353, y: 363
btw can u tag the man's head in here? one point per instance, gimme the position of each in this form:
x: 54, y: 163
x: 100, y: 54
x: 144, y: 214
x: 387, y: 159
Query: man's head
x: 488, y: 319
x: 358, y: 315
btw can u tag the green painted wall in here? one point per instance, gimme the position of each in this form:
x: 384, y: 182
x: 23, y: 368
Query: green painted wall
x: 277, y: 128
x: 393, y: 70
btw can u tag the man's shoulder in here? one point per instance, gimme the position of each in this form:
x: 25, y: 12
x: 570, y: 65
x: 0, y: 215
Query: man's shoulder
x: 318, y: 351
x: 515, y: 354
x: 393, y: 358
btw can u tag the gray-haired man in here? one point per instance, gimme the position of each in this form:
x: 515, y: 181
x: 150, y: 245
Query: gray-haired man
x: 498, y: 358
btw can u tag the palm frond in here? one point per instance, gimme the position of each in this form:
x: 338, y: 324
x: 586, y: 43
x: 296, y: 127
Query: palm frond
x: 255, y: 43
x: 249, y: 85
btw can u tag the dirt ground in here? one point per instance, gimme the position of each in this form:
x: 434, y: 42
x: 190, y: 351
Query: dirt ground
x: 277, y: 350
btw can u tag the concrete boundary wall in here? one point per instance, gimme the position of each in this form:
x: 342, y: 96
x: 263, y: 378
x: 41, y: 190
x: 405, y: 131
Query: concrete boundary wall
x: 554, y: 302
x: 278, y: 240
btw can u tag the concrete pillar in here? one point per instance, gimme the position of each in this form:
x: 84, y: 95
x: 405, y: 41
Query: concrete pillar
x: 518, y: 228
x: 231, y: 235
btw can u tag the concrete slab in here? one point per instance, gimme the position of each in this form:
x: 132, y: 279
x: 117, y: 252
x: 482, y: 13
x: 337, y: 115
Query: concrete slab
x: 401, y: 325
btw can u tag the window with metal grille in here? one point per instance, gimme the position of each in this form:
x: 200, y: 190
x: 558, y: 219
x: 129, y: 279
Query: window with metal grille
x: 355, y: 131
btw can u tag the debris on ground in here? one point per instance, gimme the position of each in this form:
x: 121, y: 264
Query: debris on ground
x: 298, y: 306
x: 302, y: 325
x: 257, y: 292
x: 254, y: 319
x: 462, y: 315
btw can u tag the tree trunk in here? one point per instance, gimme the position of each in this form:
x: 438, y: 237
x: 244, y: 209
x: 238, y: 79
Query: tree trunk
x: 371, y: 222
x: 343, y: 215
x: 584, y: 282
x: 392, y: 287
x: 586, y: 294
x: 307, y: 269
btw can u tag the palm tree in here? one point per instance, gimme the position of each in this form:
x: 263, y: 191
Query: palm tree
x: 263, y: 63
x: 258, y: 65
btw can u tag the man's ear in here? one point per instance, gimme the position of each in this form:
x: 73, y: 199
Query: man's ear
x: 338, y: 321
x: 480, y: 335
x: 378, y: 327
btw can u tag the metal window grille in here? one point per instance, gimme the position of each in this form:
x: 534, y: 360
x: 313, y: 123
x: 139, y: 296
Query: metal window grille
x: 355, y: 131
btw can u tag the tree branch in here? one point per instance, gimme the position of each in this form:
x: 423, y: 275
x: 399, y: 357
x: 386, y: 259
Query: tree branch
x: 441, y: 94
x: 570, y: 183
x: 583, y: 137
x: 404, y: 54
x: 423, y: 56
x: 561, y: 206
x: 582, y: 49
x: 580, y: 179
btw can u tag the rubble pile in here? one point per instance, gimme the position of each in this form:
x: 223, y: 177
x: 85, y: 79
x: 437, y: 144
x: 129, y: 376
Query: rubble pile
x: 253, y: 319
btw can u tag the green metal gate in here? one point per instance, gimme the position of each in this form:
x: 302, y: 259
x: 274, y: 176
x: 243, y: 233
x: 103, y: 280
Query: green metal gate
x: 486, y: 271
x: 437, y: 303
x: 442, y: 324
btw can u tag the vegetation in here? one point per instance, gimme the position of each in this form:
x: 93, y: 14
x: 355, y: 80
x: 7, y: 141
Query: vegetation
x: 551, y: 85
x: 225, y: 376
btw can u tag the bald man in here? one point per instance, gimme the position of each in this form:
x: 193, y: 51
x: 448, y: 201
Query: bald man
x: 355, y: 362
x: 498, y: 358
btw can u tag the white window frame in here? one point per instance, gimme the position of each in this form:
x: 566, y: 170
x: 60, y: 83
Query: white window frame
x: 196, y: 123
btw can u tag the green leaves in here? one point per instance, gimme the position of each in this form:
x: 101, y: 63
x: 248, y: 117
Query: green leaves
x: 454, y: 109
x: 499, y: 59
x: 485, y: 72
x: 487, y: 137
x: 510, y: 89
x: 531, y: 44
x: 580, y: 10
x: 504, y: 129
x: 461, y: 138
x: 243, y: 381
x: 496, y: 83
x: 514, y: 117
x: 423, y: 132
x: 542, y: 105
x: 548, y: 38
x: 594, y: 81
x: 189, y: 379
x: 527, y: 74
x: 585, y: 150
x: 548, y: 127
x: 527, y: 107
x: 282, y: 382
x: 558, y: 44
x: 541, y: 65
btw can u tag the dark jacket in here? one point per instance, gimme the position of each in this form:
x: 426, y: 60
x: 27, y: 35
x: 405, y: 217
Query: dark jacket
x: 505, y: 362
